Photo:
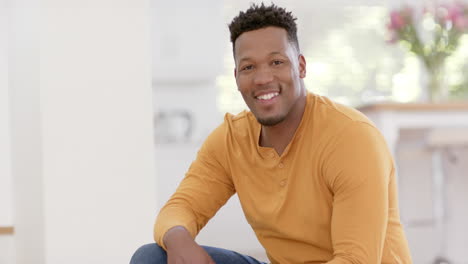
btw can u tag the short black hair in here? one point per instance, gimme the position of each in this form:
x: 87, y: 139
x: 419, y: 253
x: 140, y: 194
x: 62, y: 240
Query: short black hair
x: 261, y: 16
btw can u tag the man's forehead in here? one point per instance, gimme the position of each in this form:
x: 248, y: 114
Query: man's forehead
x: 265, y: 41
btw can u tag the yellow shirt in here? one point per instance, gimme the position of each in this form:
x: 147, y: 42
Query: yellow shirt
x: 331, y: 197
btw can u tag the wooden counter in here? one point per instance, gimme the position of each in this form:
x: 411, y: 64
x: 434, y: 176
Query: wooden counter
x: 391, y: 118
x: 414, y: 107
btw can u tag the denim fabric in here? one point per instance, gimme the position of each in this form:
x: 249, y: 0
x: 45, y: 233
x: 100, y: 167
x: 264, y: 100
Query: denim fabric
x: 154, y: 254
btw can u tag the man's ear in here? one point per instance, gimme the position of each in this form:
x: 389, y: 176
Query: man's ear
x: 302, y: 66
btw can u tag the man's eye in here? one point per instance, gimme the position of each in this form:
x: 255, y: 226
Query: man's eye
x: 277, y: 62
x: 248, y: 67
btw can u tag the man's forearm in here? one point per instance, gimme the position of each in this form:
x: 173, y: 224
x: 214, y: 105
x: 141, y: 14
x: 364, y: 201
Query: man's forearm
x: 176, y: 236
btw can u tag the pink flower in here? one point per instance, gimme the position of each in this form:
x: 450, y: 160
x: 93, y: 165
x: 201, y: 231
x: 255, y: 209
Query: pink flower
x: 461, y: 23
x: 450, y: 18
x: 453, y: 13
x: 397, y: 21
x: 457, y: 14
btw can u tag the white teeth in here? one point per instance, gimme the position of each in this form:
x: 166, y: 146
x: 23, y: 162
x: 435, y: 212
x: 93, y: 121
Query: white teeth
x: 267, y: 96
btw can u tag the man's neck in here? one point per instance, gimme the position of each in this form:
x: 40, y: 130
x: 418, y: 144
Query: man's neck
x: 280, y: 135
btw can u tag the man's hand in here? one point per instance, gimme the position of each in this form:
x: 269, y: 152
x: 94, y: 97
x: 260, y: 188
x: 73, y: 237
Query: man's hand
x: 181, y: 248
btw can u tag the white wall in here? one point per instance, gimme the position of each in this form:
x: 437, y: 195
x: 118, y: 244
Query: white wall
x: 188, y: 42
x: 82, y: 140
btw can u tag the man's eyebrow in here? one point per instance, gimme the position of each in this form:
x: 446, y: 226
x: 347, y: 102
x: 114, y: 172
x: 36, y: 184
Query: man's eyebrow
x: 249, y: 58
x: 244, y: 59
x: 275, y: 53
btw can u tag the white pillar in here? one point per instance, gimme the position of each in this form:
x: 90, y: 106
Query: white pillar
x: 26, y: 137
x: 6, y: 218
x: 84, y: 113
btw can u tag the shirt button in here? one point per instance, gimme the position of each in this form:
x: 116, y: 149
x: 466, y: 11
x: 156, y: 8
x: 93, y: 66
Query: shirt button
x: 283, y: 183
x: 272, y: 155
x: 281, y: 165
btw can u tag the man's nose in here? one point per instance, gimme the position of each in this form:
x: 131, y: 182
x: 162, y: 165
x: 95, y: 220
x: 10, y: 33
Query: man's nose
x: 263, y: 75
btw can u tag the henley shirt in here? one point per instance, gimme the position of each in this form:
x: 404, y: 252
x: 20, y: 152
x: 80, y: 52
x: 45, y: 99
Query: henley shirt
x: 330, y: 197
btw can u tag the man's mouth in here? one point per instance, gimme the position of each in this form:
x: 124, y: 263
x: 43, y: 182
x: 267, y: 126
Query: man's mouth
x: 267, y: 96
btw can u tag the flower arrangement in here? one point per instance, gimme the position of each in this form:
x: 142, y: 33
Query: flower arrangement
x: 432, y: 36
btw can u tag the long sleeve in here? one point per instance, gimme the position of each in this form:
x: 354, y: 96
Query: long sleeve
x: 206, y: 187
x: 357, y: 171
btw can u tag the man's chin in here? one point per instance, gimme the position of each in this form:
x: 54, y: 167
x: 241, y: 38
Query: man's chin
x: 270, y: 121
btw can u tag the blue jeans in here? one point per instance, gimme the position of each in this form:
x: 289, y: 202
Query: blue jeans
x: 154, y: 254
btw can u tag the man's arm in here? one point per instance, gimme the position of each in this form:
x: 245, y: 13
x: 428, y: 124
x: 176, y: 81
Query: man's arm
x: 206, y: 187
x: 358, y: 171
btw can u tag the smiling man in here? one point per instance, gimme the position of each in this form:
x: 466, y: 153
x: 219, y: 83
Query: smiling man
x: 315, y: 179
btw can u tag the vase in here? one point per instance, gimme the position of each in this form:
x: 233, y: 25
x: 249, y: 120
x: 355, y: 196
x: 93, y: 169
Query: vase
x: 436, y: 84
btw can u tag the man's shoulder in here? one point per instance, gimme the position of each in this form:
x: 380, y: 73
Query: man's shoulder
x: 243, y: 116
x: 234, y: 125
x: 242, y: 121
x: 336, y: 113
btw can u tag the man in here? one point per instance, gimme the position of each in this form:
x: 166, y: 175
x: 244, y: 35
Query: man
x: 315, y: 179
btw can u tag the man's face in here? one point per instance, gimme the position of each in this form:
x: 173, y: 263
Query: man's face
x: 268, y: 73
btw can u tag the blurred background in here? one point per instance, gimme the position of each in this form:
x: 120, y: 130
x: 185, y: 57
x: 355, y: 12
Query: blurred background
x: 104, y: 104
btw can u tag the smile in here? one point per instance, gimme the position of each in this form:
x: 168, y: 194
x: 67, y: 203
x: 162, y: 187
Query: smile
x: 267, y: 96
